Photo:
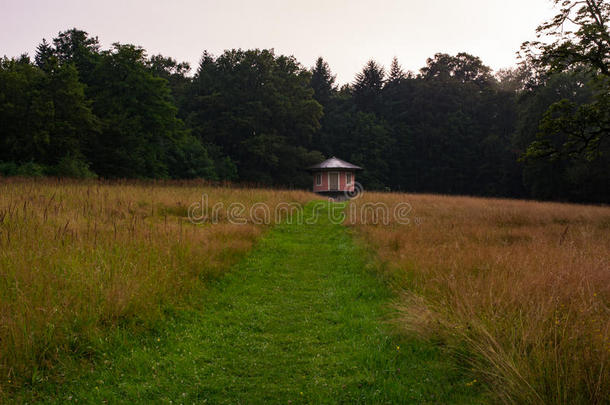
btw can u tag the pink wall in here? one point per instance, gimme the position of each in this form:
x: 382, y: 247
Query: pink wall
x: 324, y: 185
x: 342, y: 181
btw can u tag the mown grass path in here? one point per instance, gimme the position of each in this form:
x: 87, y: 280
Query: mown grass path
x: 299, y: 320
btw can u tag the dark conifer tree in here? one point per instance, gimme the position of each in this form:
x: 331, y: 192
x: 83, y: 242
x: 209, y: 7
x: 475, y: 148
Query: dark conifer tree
x: 322, y: 82
x: 397, y: 75
x: 44, y: 53
x: 367, y: 87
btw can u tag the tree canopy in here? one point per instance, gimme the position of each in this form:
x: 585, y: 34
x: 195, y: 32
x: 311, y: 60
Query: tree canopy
x: 539, y: 130
x: 573, y: 139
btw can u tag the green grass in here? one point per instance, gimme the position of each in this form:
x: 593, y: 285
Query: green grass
x: 299, y: 320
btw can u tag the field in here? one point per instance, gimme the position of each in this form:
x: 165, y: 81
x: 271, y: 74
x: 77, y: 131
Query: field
x: 519, y: 291
x: 79, y: 258
x: 109, y: 293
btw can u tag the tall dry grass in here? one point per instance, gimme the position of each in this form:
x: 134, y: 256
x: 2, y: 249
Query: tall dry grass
x: 519, y: 290
x: 79, y: 258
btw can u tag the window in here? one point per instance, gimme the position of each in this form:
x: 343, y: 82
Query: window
x: 348, y: 178
x: 319, y: 179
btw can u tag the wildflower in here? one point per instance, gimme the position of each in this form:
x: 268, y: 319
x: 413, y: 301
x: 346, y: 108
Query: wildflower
x: 397, y: 347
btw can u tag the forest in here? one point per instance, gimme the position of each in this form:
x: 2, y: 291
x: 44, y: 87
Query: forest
x: 538, y: 130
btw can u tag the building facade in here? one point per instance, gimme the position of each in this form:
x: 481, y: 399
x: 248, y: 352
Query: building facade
x: 334, y: 177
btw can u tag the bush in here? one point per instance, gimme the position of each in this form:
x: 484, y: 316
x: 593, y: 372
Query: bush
x: 72, y: 166
x: 29, y: 169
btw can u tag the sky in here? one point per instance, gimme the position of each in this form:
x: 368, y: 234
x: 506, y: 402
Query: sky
x: 346, y: 33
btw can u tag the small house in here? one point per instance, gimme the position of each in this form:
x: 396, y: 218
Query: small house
x: 334, y: 177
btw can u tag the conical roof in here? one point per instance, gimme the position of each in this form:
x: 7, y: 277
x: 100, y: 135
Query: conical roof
x: 334, y: 163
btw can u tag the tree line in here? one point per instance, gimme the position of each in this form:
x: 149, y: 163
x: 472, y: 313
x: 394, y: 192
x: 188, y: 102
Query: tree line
x: 539, y: 130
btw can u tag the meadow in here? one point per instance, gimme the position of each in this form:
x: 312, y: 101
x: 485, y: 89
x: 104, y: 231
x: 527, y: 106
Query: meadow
x: 80, y: 258
x: 519, y: 291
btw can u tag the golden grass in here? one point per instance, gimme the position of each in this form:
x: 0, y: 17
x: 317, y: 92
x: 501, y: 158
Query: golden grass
x: 519, y: 290
x: 79, y: 258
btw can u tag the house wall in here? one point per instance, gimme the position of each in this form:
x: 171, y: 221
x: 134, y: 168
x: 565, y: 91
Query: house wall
x: 323, y: 186
x: 342, y: 181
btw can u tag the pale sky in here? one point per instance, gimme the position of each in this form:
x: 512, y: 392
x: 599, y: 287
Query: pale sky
x: 345, y: 33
